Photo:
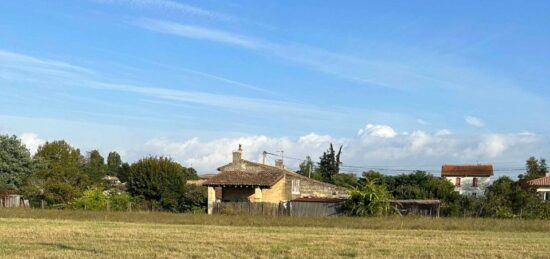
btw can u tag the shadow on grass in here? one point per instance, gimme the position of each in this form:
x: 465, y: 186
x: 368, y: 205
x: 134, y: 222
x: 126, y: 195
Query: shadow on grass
x: 71, y: 248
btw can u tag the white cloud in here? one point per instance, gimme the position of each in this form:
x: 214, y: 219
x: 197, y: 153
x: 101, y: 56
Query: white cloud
x: 382, y: 131
x: 31, y: 141
x: 418, y: 149
x: 474, y: 121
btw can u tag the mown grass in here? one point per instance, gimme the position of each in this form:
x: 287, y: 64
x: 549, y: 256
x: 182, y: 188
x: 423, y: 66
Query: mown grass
x: 387, y: 223
x: 51, y: 233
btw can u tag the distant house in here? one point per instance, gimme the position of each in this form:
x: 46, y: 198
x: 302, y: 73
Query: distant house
x: 247, y: 181
x: 470, y: 180
x: 114, y: 182
x: 543, y: 186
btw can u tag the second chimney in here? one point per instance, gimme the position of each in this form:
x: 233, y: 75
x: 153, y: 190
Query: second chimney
x: 279, y: 163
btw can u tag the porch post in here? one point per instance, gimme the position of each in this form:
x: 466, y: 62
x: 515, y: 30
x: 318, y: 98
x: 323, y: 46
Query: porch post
x: 258, y: 194
x: 211, y: 199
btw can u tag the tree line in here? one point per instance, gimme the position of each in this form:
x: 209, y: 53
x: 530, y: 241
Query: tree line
x: 59, y: 175
x: 372, y: 192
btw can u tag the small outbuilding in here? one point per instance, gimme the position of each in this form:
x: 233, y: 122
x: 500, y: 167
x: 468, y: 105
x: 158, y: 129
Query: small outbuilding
x: 427, y: 208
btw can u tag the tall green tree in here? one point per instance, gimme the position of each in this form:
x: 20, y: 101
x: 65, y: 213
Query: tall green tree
x: 124, y: 172
x: 95, y: 166
x: 535, y: 168
x: 158, y: 180
x: 16, y: 164
x: 114, y: 163
x: 62, y: 178
x: 329, y: 164
x: 307, y: 168
x: 347, y: 180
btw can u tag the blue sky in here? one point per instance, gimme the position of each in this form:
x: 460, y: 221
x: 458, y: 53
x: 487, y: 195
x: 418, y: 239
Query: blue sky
x: 410, y: 84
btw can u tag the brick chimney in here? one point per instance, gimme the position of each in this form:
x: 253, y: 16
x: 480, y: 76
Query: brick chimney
x: 279, y: 163
x: 238, y: 155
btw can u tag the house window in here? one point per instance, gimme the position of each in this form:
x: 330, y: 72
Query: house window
x: 547, y: 196
x: 457, y: 182
x: 295, y: 186
x: 475, y: 182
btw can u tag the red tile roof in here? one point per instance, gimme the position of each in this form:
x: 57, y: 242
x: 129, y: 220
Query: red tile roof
x: 467, y: 170
x: 543, y: 181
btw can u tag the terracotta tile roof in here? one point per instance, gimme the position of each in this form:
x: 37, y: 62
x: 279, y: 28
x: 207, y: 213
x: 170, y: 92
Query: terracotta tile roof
x: 543, y: 181
x: 244, y: 178
x: 270, y: 168
x: 467, y: 170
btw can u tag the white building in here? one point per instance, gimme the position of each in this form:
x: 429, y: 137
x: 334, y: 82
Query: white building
x: 543, y: 186
x: 470, y: 180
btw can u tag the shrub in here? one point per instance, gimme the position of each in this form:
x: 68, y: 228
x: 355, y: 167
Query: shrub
x: 369, y: 200
x: 92, y: 199
x: 119, y: 201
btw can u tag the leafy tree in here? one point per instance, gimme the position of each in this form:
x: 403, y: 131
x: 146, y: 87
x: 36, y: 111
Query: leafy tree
x: 307, y: 168
x: 372, y: 176
x: 329, y: 164
x: 16, y: 164
x: 95, y: 166
x: 114, y: 164
x: 348, y: 180
x: 194, y: 199
x: 369, y: 200
x: 536, y: 168
x: 124, y: 172
x: 62, y: 178
x: 160, y: 180
x: 421, y: 185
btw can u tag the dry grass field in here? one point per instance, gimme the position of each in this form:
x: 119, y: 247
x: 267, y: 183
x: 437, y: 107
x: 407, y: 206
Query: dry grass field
x: 44, y: 233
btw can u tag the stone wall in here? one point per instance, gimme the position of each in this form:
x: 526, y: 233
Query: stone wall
x: 312, y: 188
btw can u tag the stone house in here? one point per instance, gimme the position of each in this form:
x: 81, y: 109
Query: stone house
x: 542, y: 186
x: 470, y: 180
x: 247, y: 181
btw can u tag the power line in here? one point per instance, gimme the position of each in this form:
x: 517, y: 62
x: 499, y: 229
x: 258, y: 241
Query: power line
x: 356, y: 168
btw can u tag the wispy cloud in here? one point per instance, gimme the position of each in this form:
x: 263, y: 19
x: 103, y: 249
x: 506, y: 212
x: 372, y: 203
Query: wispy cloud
x: 169, y: 6
x: 36, y: 69
x: 474, y: 121
x: 344, y: 66
x: 410, y: 75
x: 196, y: 32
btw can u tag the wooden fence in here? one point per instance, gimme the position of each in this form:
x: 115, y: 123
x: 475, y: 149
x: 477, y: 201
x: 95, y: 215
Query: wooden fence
x: 310, y: 209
